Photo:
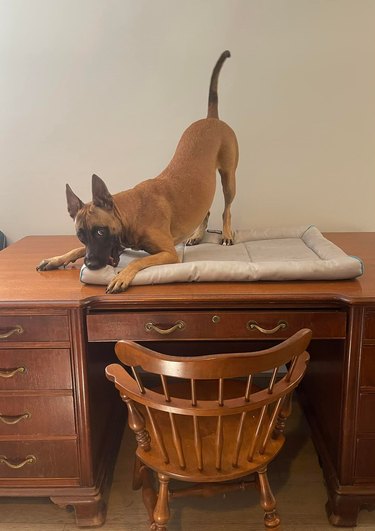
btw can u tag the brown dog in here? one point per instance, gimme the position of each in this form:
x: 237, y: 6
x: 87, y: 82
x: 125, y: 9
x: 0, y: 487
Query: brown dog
x: 158, y: 213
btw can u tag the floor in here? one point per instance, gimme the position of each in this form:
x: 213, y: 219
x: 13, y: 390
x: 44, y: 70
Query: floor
x: 295, y: 477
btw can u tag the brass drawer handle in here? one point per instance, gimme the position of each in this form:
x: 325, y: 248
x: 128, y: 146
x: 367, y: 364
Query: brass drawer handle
x: 14, y: 419
x: 16, y: 330
x: 9, y: 373
x: 29, y: 460
x: 151, y: 327
x: 253, y: 325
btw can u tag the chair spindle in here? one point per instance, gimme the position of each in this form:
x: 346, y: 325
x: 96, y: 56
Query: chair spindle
x: 137, y: 378
x: 198, y: 443
x: 270, y: 426
x: 164, y: 384
x: 248, y: 388
x: 273, y: 380
x: 219, y: 442
x: 239, y: 439
x: 221, y: 392
x: 253, y: 442
x: 158, y: 435
x: 291, y: 369
x: 177, y: 441
x: 193, y: 393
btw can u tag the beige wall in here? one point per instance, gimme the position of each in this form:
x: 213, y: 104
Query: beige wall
x: 107, y: 86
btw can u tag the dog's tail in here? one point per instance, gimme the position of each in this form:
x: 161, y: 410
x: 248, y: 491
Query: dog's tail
x: 212, y: 95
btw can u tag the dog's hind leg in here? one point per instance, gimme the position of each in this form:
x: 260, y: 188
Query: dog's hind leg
x: 228, y: 181
x: 198, y: 234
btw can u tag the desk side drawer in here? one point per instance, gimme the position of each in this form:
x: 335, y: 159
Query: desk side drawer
x: 367, y: 378
x: 365, y: 422
x: 143, y: 326
x: 38, y: 459
x: 22, y: 328
x: 365, y: 459
x: 369, y: 325
x: 35, y: 369
x: 38, y: 416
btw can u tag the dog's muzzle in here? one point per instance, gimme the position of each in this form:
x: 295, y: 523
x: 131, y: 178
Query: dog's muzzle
x: 94, y: 263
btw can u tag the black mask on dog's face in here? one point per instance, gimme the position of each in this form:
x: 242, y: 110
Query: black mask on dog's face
x: 97, y: 227
x: 102, y: 248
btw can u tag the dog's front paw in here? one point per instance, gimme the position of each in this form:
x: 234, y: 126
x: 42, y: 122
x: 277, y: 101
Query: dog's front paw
x: 227, y: 241
x: 117, y: 284
x: 48, y: 264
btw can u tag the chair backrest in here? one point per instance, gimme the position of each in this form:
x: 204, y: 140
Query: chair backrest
x: 231, y: 377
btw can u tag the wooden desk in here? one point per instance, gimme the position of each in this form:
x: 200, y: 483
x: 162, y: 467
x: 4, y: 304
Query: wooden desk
x: 61, y: 420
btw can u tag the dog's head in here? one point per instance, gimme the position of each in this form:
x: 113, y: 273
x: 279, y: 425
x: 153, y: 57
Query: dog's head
x: 97, y: 226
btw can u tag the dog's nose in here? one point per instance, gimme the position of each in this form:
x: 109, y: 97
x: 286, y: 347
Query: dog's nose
x: 93, y: 263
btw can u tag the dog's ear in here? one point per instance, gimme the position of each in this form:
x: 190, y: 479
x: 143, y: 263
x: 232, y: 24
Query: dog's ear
x: 100, y: 195
x: 74, y: 202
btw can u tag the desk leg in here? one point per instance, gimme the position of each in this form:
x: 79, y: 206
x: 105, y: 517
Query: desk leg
x: 342, y: 511
x: 89, y: 510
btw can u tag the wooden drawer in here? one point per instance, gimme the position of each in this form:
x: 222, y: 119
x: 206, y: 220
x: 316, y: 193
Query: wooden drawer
x: 38, y: 459
x: 369, y: 325
x: 365, y: 458
x: 366, y: 417
x: 39, y: 416
x: 367, y: 378
x: 20, y: 328
x: 143, y: 326
x: 35, y: 369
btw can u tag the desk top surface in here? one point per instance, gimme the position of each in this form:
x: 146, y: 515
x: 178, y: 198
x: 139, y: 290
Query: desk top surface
x: 21, y: 285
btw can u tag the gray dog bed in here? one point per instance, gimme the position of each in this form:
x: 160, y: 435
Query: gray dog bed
x: 299, y: 253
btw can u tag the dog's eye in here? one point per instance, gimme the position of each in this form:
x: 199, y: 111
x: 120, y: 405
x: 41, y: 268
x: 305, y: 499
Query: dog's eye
x: 100, y: 232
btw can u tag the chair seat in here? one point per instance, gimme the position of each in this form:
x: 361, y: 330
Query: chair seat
x: 207, y: 390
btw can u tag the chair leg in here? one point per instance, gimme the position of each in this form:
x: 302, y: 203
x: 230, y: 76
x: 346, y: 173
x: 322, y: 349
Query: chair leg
x: 137, y: 479
x: 143, y: 478
x: 267, y: 501
x: 148, y: 492
x: 161, y: 512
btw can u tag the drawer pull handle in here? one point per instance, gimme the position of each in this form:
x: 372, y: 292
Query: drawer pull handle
x: 14, y: 419
x: 151, y: 327
x: 29, y: 460
x: 253, y: 325
x: 9, y: 373
x: 16, y: 330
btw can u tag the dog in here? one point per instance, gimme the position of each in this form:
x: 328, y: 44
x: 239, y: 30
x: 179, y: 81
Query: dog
x: 158, y: 213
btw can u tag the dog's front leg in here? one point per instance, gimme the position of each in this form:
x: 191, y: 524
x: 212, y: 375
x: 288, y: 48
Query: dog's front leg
x: 122, y: 280
x: 63, y: 260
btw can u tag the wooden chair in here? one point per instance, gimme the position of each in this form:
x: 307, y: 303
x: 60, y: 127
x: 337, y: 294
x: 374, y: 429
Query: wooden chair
x: 208, y: 422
